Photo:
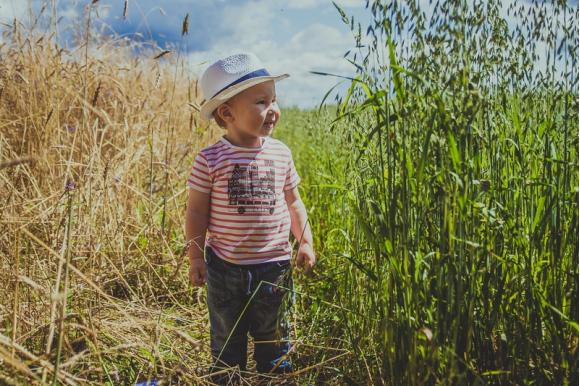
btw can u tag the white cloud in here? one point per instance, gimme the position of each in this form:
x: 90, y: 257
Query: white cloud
x: 69, y: 13
x: 318, y: 47
x: 302, y: 4
x: 249, y: 23
x: 13, y: 9
x: 303, y: 88
x: 305, y: 4
x: 316, y: 37
x: 245, y: 27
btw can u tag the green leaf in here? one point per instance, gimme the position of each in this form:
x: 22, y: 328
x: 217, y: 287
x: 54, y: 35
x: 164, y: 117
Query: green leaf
x: 539, y: 211
x: 453, y: 151
x: 346, y: 100
x: 343, y: 15
x: 516, y: 115
x: 360, y: 266
x: 399, y: 89
x: 425, y: 150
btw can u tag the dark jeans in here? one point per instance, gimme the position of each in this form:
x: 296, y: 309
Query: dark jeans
x: 238, y: 302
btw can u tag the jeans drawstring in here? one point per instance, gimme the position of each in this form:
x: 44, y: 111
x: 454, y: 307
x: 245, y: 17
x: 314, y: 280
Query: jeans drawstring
x: 249, y: 290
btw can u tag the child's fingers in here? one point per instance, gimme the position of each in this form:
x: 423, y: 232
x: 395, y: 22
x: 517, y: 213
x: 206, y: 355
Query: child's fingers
x: 308, y: 266
x: 309, y: 262
x: 202, y: 277
x: 300, y: 260
x: 193, y: 278
x: 198, y: 281
x: 197, y: 277
x: 304, y: 262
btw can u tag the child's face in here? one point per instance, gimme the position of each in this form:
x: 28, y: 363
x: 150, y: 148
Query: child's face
x: 254, y: 112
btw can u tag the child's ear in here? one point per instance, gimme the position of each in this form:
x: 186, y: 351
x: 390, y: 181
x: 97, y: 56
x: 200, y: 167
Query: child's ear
x: 218, y: 119
x: 224, y: 112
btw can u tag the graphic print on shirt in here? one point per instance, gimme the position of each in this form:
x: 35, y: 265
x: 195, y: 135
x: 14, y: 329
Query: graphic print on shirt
x: 251, y: 192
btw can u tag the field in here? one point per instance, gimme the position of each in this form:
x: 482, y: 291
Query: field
x: 442, y: 191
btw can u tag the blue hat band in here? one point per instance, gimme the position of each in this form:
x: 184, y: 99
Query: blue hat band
x: 253, y: 74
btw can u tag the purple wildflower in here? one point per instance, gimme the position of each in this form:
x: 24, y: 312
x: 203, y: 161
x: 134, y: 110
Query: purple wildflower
x: 70, y: 185
x: 71, y: 129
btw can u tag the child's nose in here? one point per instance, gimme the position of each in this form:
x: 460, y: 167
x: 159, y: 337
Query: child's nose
x: 274, y: 109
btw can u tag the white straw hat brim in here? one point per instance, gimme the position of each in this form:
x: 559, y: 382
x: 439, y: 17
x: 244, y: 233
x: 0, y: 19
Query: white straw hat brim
x: 209, y: 106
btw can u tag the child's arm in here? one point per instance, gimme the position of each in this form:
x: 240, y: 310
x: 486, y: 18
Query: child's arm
x: 196, y: 220
x: 300, y: 229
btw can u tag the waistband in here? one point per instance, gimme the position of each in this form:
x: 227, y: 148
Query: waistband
x: 210, y: 253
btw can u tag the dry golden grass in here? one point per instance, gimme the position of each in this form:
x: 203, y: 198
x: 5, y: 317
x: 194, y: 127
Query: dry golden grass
x: 95, y: 148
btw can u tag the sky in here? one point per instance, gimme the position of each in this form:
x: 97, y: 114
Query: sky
x: 289, y: 36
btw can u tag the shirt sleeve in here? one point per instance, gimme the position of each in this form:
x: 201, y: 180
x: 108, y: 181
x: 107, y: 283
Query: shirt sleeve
x: 292, y: 177
x: 200, y: 178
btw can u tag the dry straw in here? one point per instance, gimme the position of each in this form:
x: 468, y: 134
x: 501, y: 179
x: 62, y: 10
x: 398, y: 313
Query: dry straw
x: 96, y: 290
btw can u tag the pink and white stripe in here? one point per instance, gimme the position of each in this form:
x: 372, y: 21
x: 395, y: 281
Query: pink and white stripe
x: 249, y: 220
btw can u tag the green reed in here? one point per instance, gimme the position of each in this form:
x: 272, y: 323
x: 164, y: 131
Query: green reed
x: 457, y: 207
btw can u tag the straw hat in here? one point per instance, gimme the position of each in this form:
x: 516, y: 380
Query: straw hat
x: 228, y: 77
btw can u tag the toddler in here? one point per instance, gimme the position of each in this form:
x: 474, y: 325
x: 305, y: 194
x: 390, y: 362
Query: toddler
x: 243, y: 202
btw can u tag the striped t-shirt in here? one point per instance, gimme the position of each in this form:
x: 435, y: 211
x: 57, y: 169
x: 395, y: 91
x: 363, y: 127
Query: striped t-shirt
x: 249, y: 221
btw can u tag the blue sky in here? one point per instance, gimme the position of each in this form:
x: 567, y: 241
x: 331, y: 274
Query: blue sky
x: 290, y: 36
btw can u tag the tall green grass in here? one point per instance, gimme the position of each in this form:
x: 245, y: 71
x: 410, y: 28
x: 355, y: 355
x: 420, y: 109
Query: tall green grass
x: 444, y: 196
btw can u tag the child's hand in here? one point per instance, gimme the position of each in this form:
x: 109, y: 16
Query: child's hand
x: 305, y: 258
x: 197, y: 272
